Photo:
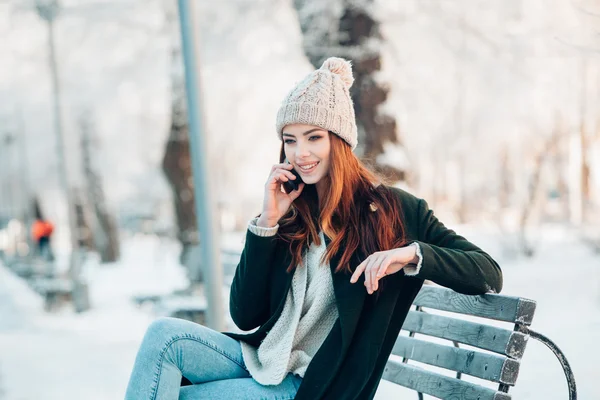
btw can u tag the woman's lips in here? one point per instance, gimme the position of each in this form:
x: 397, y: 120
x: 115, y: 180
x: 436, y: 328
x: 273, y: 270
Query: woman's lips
x: 311, y: 169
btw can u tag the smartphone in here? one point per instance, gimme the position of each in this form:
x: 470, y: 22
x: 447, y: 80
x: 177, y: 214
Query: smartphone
x: 292, y: 184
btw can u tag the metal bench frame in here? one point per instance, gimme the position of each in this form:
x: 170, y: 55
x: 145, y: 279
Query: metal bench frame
x: 501, y: 367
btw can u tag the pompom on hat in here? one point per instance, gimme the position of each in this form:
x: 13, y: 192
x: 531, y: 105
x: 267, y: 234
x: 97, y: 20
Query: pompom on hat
x: 322, y: 99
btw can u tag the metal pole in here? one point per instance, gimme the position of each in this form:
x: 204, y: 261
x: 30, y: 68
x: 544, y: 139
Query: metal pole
x: 12, y: 188
x: 209, y: 237
x: 7, y: 141
x: 60, y: 143
x: 3, y: 191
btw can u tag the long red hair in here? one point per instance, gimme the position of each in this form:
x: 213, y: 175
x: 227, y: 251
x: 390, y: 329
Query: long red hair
x: 343, y: 213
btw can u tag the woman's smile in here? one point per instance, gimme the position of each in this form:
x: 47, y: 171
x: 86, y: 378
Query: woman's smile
x: 308, y: 168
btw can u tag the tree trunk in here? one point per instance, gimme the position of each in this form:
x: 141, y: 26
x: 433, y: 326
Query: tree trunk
x: 536, y: 188
x: 102, y: 231
x: 176, y: 162
x: 348, y: 29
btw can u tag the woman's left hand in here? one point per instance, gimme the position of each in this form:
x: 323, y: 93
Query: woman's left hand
x: 383, y: 263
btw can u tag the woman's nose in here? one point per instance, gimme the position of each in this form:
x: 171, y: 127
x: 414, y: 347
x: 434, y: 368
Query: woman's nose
x: 302, y: 151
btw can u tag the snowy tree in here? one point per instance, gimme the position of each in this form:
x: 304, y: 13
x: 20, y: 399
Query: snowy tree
x: 176, y: 163
x: 475, y: 88
x: 102, y: 227
x: 349, y: 29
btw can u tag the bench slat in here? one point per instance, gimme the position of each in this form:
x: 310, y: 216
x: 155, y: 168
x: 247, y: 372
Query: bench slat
x: 440, y: 386
x: 493, y: 306
x: 483, y: 336
x: 487, y: 366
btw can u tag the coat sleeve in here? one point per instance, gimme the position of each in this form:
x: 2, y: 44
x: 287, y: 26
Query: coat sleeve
x: 451, y: 260
x: 249, y: 295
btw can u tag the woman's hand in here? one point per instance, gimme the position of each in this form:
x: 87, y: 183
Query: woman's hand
x: 276, y: 202
x: 383, y: 263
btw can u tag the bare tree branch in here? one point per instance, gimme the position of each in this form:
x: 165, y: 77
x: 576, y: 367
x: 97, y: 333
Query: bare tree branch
x: 584, y: 11
x: 577, y: 46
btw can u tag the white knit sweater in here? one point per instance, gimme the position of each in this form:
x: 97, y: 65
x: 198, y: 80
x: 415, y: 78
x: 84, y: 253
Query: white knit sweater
x: 307, y: 318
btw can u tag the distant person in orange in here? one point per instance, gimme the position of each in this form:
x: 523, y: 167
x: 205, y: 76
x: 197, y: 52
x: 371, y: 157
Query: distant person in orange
x: 41, y: 230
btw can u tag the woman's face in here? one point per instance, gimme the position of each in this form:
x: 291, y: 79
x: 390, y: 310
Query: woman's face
x: 307, y: 148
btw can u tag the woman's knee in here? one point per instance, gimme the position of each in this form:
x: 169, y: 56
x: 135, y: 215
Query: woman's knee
x: 160, y: 326
x: 170, y: 336
x: 164, y: 330
x: 161, y: 331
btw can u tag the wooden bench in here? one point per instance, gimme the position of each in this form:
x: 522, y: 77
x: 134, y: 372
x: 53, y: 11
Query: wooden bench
x: 191, y: 308
x: 56, y: 292
x: 494, y: 354
x: 497, y: 361
x: 60, y: 291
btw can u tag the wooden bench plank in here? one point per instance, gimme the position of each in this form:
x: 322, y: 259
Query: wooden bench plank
x: 440, y: 386
x: 487, y: 366
x: 52, y: 285
x: 492, y: 306
x: 498, y: 340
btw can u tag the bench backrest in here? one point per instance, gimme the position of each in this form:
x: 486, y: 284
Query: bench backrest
x: 498, y: 360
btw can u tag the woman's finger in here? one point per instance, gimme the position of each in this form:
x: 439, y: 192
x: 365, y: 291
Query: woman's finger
x: 287, y: 173
x: 359, y: 270
x: 283, y: 175
x: 373, y: 273
x: 278, y: 178
x: 368, y: 273
x: 367, y: 282
x: 368, y: 262
x: 381, y: 270
x: 295, y: 193
x: 285, y: 167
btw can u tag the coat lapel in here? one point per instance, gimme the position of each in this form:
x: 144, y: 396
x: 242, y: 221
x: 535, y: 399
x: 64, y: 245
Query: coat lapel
x: 349, y: 297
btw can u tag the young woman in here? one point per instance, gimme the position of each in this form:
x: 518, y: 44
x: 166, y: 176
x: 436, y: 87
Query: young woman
x: 326, y: 277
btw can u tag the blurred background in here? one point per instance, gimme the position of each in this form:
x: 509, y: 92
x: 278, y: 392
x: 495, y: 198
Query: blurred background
x: 489, y: 110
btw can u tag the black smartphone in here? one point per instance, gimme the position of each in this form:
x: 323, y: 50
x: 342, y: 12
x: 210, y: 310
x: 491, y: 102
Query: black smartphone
x: 292, y: 184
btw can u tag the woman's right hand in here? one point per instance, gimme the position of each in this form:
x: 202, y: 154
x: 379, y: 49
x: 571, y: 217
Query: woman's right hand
x: 276, y: 202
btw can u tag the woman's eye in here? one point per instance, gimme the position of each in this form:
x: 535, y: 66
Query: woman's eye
x: 288, y: 141
x: 313, y: 138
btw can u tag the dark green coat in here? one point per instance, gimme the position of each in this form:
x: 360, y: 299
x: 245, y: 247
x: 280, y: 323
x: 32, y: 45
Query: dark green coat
x: 351, y: 360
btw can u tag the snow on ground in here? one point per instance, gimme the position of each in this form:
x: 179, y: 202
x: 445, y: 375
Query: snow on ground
x: 66, y: 356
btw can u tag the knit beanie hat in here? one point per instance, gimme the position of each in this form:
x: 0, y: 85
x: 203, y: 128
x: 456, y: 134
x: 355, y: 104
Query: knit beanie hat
x: 322, y: 99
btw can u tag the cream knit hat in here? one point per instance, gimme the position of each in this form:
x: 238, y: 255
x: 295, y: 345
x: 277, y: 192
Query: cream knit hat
x: 323, y: 99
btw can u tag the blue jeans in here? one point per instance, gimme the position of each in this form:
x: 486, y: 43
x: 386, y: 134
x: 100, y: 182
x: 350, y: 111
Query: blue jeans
x: 212, y: 361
